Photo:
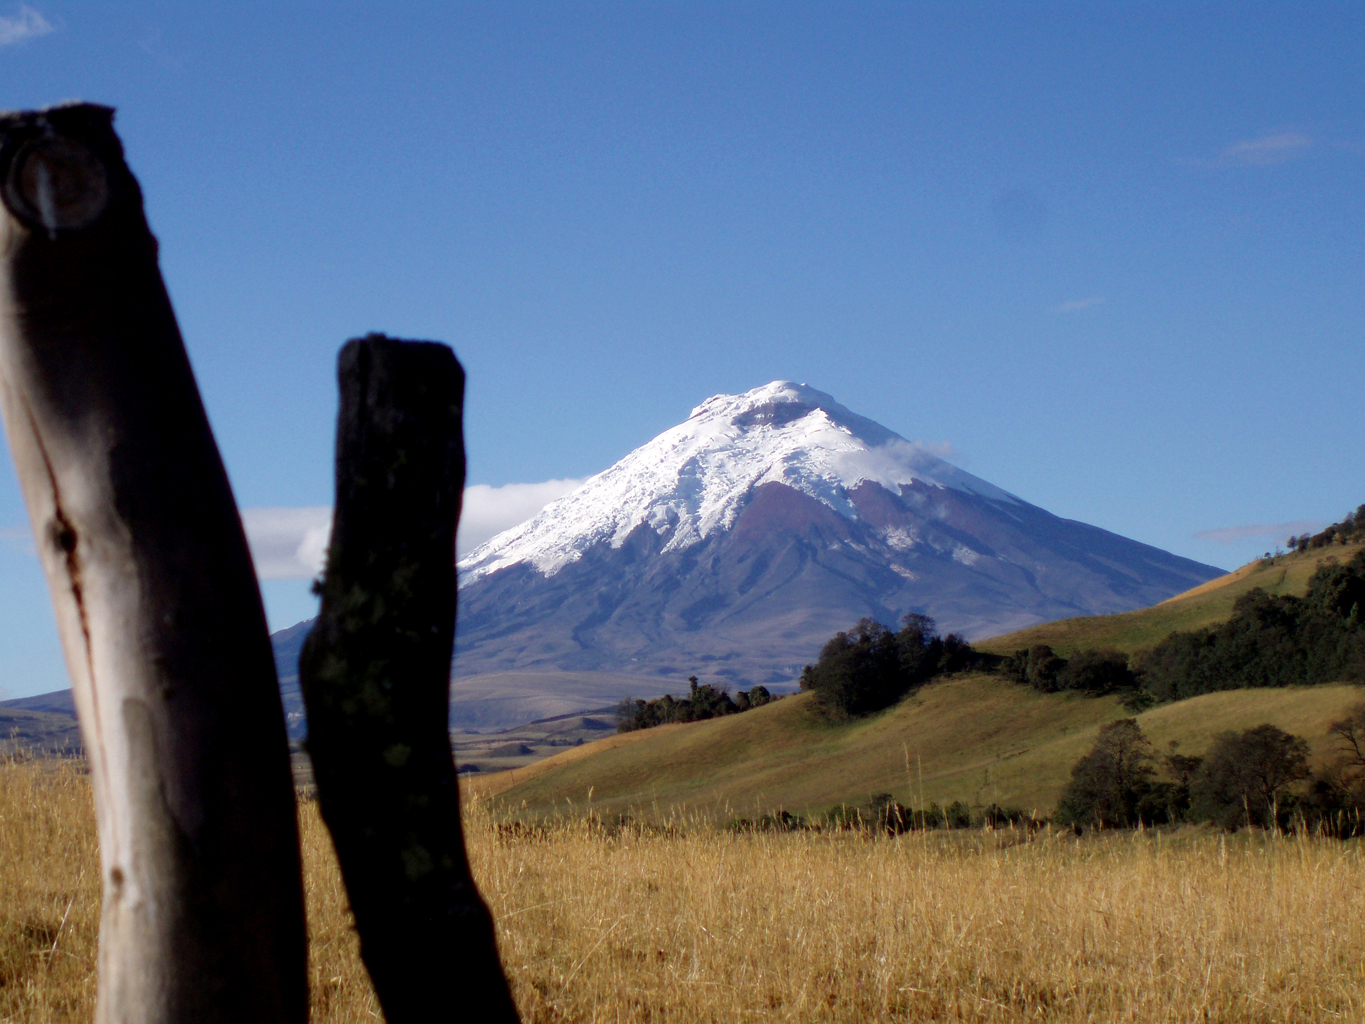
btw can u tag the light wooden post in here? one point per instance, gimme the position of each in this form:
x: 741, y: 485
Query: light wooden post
x: 375, y: 673
x: 156, y: 600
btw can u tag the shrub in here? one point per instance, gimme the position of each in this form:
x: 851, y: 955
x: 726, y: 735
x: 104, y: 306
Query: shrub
x: 887, y: 816
x: 1109, y: 785
x: 1095, y: 672
x: 1244, y: 776
x: 957, y: 815
x: 778, y: 821
x: 755, y: 698
x: 870, y: 668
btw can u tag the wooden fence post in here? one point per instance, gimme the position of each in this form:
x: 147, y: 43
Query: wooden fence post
x: 156, y: 599
x: 375, y: 673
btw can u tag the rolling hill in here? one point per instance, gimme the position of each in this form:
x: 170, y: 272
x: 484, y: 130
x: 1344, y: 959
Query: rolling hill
x: 1205, y: 605
x: 978, y: 738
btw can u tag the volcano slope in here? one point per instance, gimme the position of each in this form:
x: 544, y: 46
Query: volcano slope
x: 980, y: 738
x: 732, y: 545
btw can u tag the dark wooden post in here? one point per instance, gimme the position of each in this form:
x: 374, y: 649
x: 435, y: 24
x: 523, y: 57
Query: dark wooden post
x: 156, y: 600
x: 375, y: 673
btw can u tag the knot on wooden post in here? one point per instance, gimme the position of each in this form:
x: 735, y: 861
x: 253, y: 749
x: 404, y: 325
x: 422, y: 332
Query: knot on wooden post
x: 55, y: 165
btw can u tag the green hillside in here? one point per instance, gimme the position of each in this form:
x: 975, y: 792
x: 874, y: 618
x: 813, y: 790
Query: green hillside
x: 1205, y: 605
x: 979, y: 739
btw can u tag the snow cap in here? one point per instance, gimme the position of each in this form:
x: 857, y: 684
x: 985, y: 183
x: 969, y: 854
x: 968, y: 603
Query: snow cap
x: 695, y: 478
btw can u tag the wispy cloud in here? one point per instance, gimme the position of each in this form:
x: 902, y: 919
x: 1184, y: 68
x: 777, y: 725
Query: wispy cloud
x: 1268, y: 149
x: 27, y: 24
x: 1278, y: 532
x: 940, y: 450
x: 1076, y: 304
x: 1258, y: 152
x: 291, y: 543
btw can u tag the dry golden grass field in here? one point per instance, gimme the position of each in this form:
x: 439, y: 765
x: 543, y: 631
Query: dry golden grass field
x: 692, y: 924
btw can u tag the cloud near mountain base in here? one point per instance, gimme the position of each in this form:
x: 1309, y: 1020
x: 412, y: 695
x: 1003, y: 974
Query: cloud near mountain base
x: 291, y: 543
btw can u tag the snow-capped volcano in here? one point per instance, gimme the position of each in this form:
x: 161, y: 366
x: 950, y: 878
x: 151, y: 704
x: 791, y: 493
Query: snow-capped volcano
x: 695, y: 479
x: 732, y: 545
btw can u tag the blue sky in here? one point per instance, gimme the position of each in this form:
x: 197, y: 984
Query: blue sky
x: 1111, y: 254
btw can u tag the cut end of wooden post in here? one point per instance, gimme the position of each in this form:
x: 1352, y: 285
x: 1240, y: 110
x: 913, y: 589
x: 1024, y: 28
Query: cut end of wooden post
x: 56, y: 164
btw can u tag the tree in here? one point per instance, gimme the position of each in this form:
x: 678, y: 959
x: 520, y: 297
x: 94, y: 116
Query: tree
x: 1038, y: 667
x: 1108, y: 784
x: 1245, y: 775
x: 1349, y: 735
x: 1182, y: 768
x: 858, y: 672
x: 1337, y: 590
x: 870, y: 668
x: 1096, y: 672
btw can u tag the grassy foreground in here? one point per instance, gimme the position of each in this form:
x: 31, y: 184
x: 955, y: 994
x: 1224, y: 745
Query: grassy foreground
x: 688, y: 923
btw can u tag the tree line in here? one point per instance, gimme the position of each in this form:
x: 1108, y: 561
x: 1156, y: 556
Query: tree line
x: 702, y: 701
x: 1258, y: 777
x: 1269, y: 640
x: 869, y: 668
x: 1351, y: 530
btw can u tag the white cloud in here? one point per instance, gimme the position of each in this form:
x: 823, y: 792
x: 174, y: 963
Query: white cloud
x: 1268, y: 149
x: 291, y: 543
x: 1278, y: 532
x: 1075, y: 304
x: 288, y: 543
x: 1258, y: 152
x: 27, y: 24
x: 940, y: 450
x: 490, y: 510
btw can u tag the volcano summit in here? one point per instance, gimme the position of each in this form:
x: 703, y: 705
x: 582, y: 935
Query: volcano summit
x: 734, y: 544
